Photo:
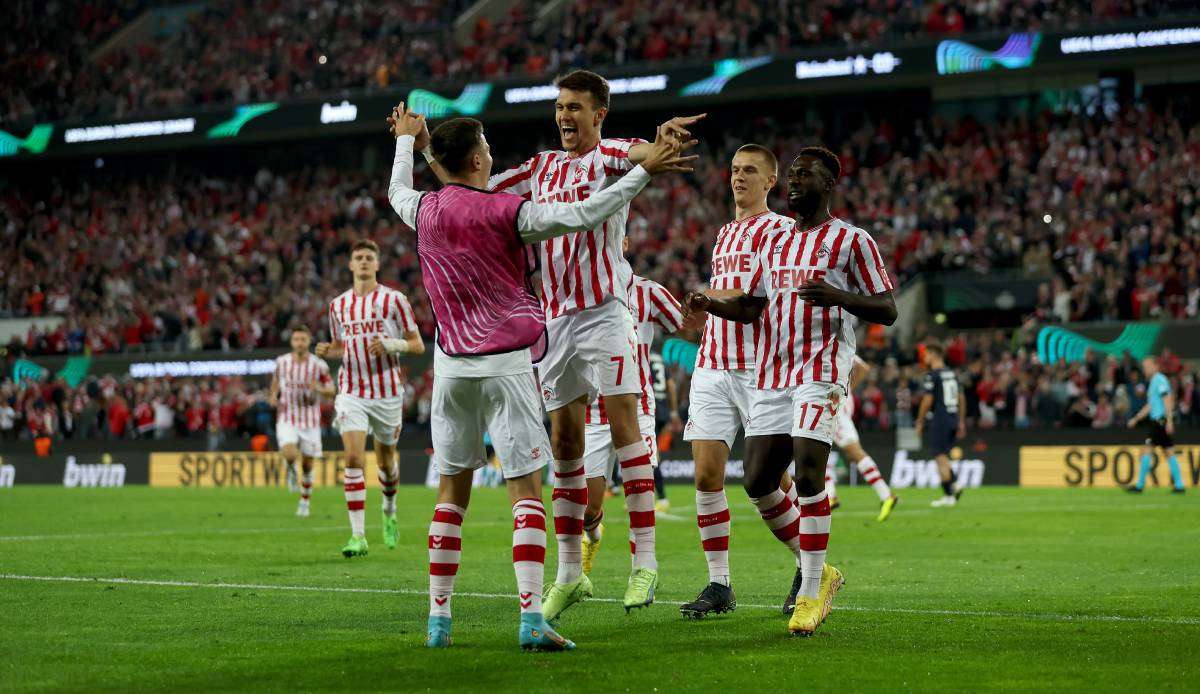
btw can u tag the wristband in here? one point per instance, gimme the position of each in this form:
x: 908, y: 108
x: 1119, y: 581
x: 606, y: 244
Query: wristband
x: 428, y: 154
x: 394, y: 346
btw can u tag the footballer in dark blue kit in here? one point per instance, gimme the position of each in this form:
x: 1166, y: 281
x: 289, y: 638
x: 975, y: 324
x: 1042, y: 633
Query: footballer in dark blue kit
x: 941, y: 414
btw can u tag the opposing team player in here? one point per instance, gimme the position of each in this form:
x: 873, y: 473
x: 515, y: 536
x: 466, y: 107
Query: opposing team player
x: 809, y: 283
x: 724, y: 380
x: 475, y: 271
x: 845, y: 438
x: 592, y: 338
x: 652, y: 307
x: 371, y: 327
x: 941, y: 406
x: 299, y: 383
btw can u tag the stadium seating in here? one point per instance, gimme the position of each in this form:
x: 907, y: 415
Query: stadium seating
x: 237, y: 51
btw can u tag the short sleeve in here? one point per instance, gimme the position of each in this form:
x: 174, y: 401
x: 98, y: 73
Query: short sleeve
x: 758, y: 279
x: 404, y: 314
x: 665, y: 311
x: 517, y: 180
x: 335, y: 326
x: 614, y: 154
x: 866, y: 265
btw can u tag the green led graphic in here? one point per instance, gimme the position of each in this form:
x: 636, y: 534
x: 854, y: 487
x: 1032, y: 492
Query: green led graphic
x: 23, y: 368
x: 677, y: 352
x: 241, y: 116
x: 470, y: 103
x: 1056, y: 344
x: 75, y: 370
x: 723, y: 71
x: 35, y: 142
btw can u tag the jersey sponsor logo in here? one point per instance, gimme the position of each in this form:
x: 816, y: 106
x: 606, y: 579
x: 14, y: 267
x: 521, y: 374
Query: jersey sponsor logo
x: 575, y: 194
x: 369, y: 327
x: 794, y: 278
x: 731, y: 262
x: 101, y: 475
x: 924, y: 474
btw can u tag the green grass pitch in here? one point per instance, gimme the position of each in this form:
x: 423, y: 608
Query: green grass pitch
x: 223, y: 590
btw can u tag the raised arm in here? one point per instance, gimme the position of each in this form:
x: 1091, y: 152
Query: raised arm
x: 538, y: 222
x: 547, y: 220
x: 677, y: 127
x: 404, y: 199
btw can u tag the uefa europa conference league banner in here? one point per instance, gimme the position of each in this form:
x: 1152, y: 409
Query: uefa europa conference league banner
x: 911, y: 65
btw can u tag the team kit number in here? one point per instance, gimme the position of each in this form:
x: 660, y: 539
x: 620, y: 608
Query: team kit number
x: 816, y: 409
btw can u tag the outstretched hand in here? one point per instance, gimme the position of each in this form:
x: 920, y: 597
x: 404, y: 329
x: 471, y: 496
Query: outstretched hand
x: 405, y: 122
x: 665, y: 155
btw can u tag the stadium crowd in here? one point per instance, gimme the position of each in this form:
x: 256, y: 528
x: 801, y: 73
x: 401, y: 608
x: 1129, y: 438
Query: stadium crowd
x: 1004, y: 387
x: 1107, y: 212
x: 237, y: 51
x: 105, y: 407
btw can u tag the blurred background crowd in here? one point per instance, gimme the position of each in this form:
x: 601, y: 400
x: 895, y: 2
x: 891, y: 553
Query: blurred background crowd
x: 57, y: 56
x: 1099, y: 205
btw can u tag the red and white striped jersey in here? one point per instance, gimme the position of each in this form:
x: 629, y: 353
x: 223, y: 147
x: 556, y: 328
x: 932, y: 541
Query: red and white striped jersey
x: 800, y: 342
x: 583, y: 269
x: 299, y: 403
x: 728, y: 344
x: 357, y: 320
x: 652, y: 306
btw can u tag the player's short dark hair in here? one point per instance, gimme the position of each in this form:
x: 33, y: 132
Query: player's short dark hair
x: 586, y: 81
x: 765, y: 152
x: 300, y: 329
x: 936, y: 347
x: 367, y: 244
x: 823, y: 155
x: 454, y: 141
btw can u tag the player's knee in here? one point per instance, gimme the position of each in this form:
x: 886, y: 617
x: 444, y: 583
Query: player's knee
x: 567, y: 445
x: 354, y: 459
x: 709, y: 479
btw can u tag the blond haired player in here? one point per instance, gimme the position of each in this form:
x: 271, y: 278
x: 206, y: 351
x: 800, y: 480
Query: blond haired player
x: 811, y: 283
x: 723, y: 383
x: 299, y: 383
x: 845, y: 438
x: 371, y: 326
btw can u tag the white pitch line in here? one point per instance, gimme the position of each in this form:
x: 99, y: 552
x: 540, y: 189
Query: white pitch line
x: 160, y: 533
x: 1038, y: 616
